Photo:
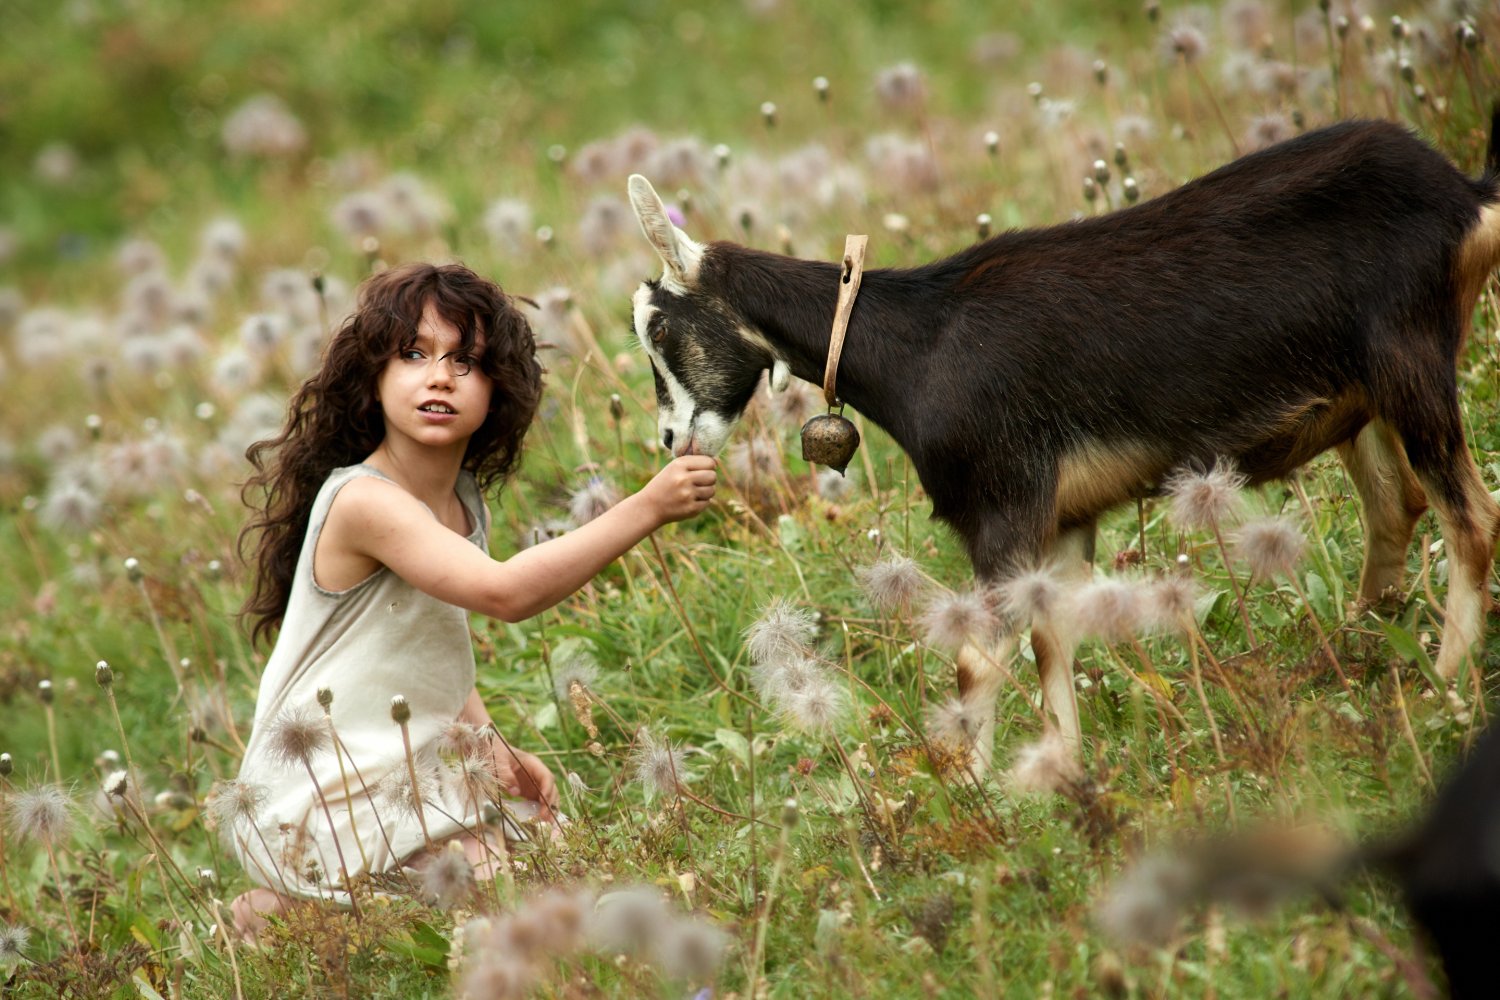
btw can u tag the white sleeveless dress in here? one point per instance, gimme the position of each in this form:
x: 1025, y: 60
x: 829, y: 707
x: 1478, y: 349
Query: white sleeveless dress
x: 379, y: 638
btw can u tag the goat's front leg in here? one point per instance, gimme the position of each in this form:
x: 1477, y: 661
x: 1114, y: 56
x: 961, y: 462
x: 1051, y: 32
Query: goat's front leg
x: 1071, y: 555
x: 981, y: 673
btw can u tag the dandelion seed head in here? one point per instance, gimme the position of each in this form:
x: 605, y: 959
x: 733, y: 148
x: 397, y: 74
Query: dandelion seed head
x: 816, y: 708
x: 233, y: 802
x: 1145, y: 905
x: 1109, y: 609
x: 1267, y: 130
x: 1032, y: 595
x: 1047, y: 765
x: 1206, y: 500
x: 508, y: 223
x: 398, y: 791
x: 448, y: 879
x: 691, y: 950
x: 629, y: 922
x: 1168, y: 604
x: 1185, y: 41
x: 578, y: 668
x: 42, y: 814
x: 1270, y: 546
x: 778, y: 680
x: 658, y: 766
x: 782, y: 631
x: 13, y: 943
x: 954, y: 723
x: 263, y: 126
x: 900, y: 87
x: 893, y: 583
x: 956, y: 618
x: 295, y: 736
x: 592, y: 499
x: 461, y: 738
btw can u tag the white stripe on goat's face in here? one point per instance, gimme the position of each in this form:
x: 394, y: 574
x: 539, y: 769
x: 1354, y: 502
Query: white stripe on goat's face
x: 704, y: 366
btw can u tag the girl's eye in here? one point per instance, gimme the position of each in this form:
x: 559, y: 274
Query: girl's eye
x: 411, y: 354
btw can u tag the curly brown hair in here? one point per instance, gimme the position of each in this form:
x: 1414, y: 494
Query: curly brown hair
x: 334, y: 419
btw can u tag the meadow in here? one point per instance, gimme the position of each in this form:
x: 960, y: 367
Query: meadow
x: 749, y: 715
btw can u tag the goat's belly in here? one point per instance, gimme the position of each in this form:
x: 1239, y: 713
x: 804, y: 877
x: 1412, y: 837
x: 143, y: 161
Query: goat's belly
x: 1300, y: 434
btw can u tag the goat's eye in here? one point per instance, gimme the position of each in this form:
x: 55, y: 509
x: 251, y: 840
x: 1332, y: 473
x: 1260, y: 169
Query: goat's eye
x: 659, y: 334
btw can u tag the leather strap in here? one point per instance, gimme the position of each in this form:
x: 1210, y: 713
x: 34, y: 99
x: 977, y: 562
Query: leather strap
x: 854, y: 267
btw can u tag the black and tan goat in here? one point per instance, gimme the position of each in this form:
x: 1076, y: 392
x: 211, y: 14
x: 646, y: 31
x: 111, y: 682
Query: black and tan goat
x: 1313, y: 295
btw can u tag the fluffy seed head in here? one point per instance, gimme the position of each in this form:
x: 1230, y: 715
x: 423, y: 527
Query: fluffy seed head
x: 954, y: 723
x: 579, y: 669
x: 782, y: 631
x: 594, y: 498
x: 956, y: 618
x: 448, y: 879
x: 658, y: 766
x: 778, y: 680
x: 691, y: 950
x: 1205, y: 500
x: 629, y: 922
x: 399, y: 792
x: 1044, y: 766
x: 295, y: 736
x: 816, y: 708
x: 13, y: 943
x: 1168, y: 605
x: 1270, y: 546
x: 892, y: 584
x: 234, y: 801
x: 42, y: 814
x: 1145, y: 905
x: 1108, y: 609
x: 1029, y: 596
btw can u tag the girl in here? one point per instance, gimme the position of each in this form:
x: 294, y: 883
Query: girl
x: 371, y: 549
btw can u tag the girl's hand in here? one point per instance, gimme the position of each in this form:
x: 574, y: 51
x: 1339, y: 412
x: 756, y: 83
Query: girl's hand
x: 524, y: 775
x: 683, y: 488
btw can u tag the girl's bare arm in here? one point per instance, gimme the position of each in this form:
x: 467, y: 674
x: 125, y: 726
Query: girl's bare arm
x: 380, y: 520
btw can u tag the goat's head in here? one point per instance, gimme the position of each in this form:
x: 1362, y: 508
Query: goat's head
x: 706, y: 359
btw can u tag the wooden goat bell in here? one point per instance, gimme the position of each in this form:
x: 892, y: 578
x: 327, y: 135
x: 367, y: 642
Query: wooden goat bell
x: 830, y: 438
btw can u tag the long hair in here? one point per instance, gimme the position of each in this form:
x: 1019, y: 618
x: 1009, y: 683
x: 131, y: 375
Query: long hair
x: 334, y: 419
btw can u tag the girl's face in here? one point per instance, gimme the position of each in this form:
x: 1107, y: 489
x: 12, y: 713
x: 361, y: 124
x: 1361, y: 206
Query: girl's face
x: 433, y: 392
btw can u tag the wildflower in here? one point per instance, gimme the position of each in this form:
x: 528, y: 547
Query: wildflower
x: 295, y: 736
x: 658, y: 766
x: 577, y: 669
x: 41, y: 814
x: 234, y: 801
x: 900, y: 87
x: 1108, y: 609
x: 690, y: 950
x: 1169, y: 603
x: 263, y: 126
x: 448, y: 879
x: 1145, y: 904
x: 508, y: 223
x: 954, y: 723
x: 1044, y: 766
x: 816, y: 707
x: 1186, y: 42
x: 628, y: 922
x: 1029, y: 596
x: 1271, y: 546
x: 1205, y: 500
x: 13, y: 944
x: 593, y: 499
x: 782, y: 631
x: 892, y: 584
x: 957, y: 618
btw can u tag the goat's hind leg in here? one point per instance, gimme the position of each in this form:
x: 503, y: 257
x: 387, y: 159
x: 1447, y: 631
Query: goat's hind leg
x: 1391, y: 500
x: 1053, y: 643
x: 1468, y: 516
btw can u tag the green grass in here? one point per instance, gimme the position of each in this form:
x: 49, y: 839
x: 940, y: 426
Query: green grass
x: 963, y: 891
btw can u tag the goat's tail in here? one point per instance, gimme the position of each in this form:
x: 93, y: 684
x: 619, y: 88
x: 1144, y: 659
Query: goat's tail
x: 1492, y: 154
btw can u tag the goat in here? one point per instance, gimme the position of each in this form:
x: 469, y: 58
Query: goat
x: 1312, y: 295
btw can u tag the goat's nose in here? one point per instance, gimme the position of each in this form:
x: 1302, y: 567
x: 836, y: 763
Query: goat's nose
x: 666, y: 439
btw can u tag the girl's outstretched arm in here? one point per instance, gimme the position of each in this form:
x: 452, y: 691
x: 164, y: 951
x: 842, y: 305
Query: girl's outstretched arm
x: 379, y: 520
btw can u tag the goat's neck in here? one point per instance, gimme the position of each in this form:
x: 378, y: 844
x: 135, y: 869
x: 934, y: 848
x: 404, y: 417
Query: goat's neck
x: 792, y: 302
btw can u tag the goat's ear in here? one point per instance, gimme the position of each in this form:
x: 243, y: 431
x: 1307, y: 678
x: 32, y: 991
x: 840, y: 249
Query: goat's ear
x: 677, y: 251
x: 780, y: 375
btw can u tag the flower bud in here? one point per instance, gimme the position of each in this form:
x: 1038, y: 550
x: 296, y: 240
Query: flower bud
x: 992, y: 142
x: 820, y: 87
x: 1090, y: 190
x: 400, y: 710
x: 768, y: 113
x: 1101, y: 171
x: 1131, y: 189
x: 1101, y: 72
x: 103, y: 676
x: 44, y: 692
x: 133, y: 571
x: 790, y: 814
x: 982, y: 224
x: 5, y: 765
x: 1120, y: 158
x: 214, y: 570
x: 616, y: 407
x: 325, y: 697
